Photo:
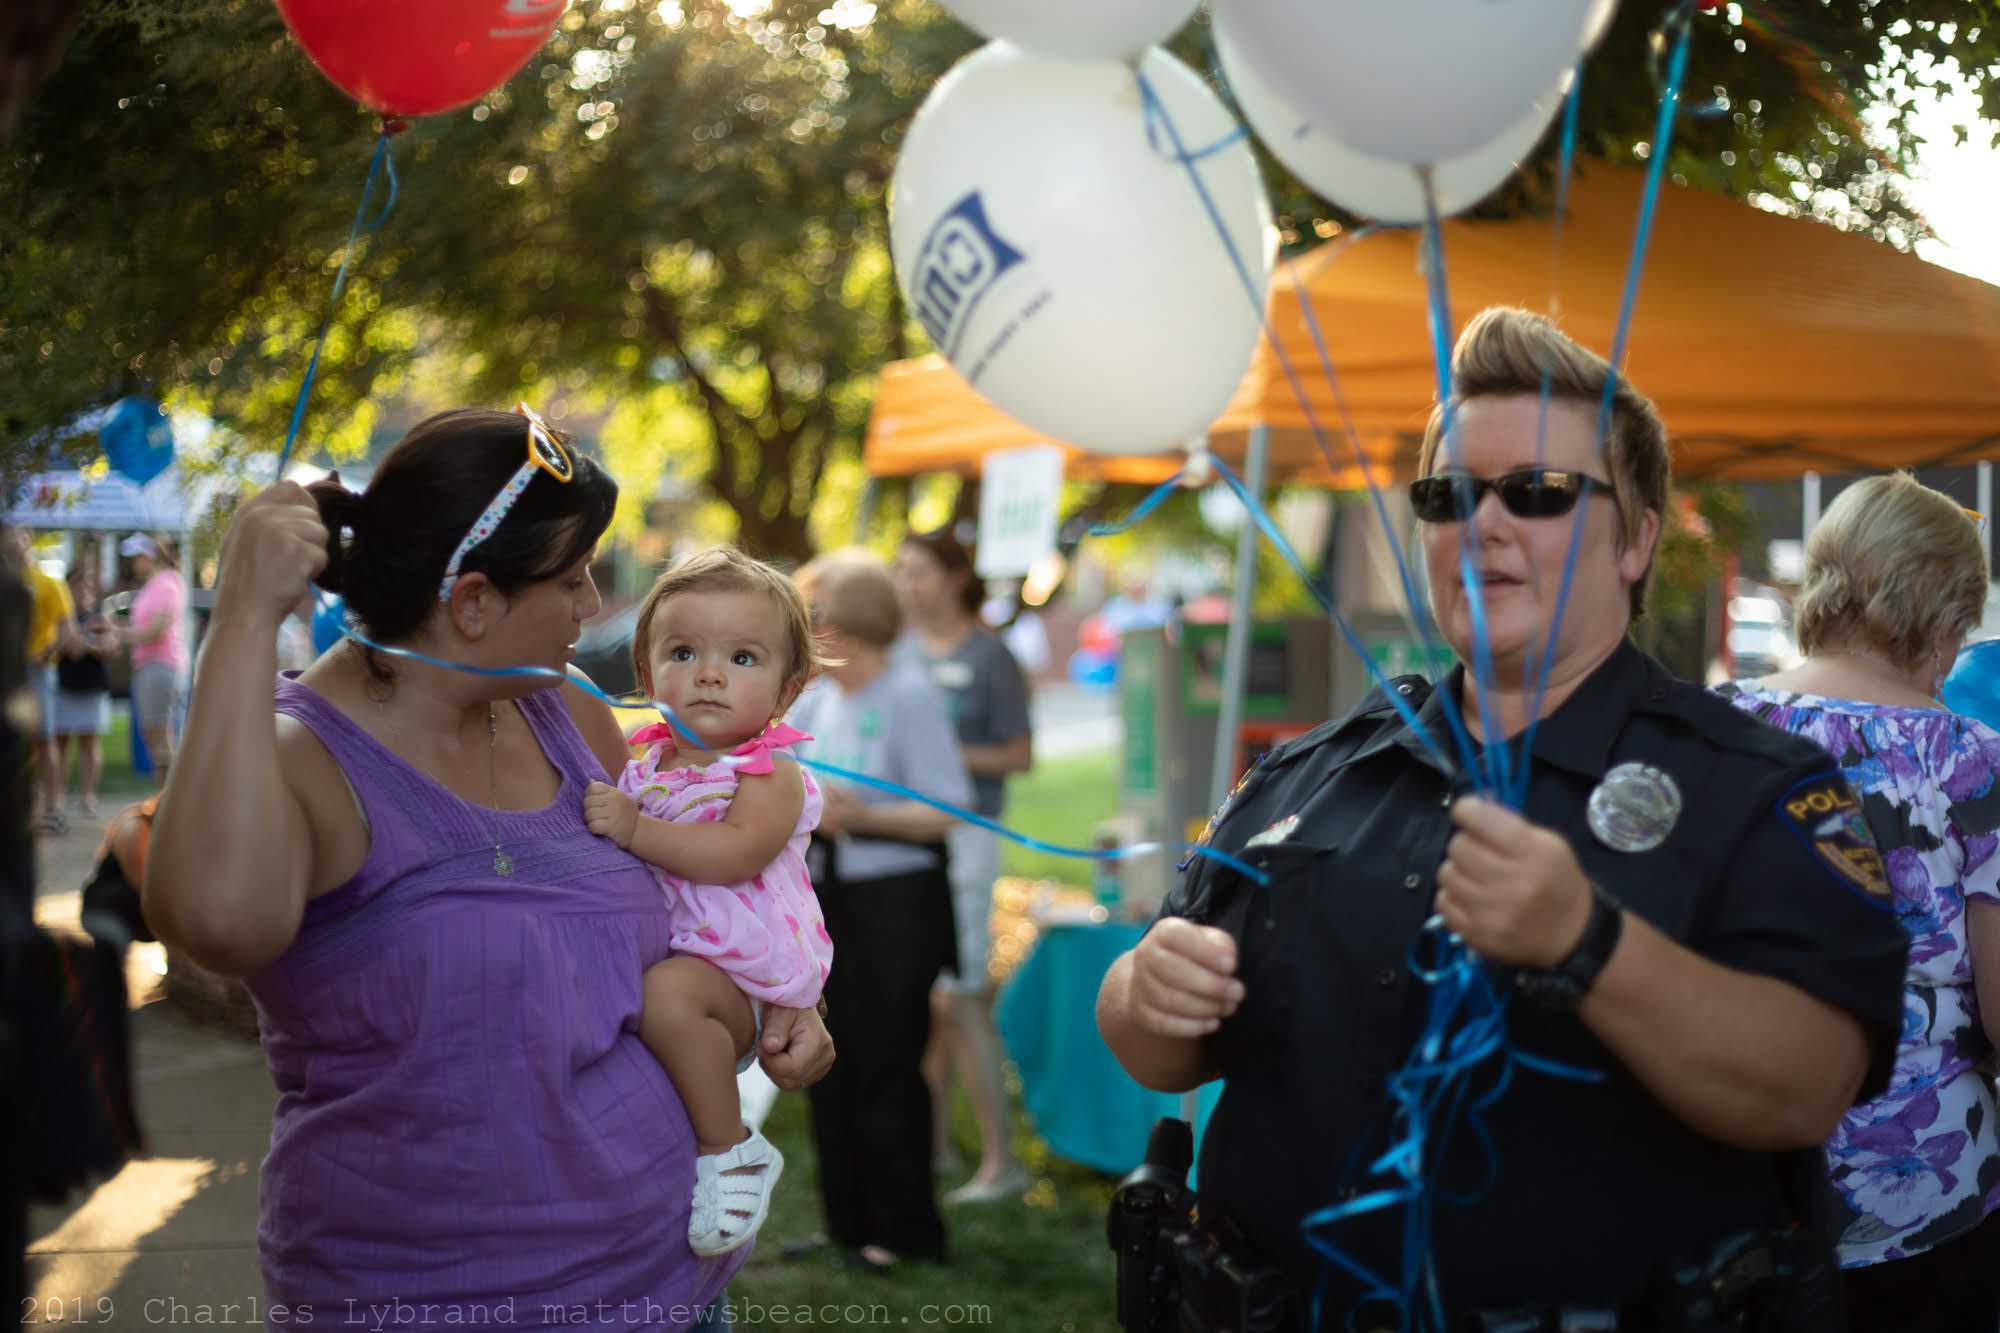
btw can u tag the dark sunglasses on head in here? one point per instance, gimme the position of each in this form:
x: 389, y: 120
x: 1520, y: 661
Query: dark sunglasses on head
x: 1532, y: 492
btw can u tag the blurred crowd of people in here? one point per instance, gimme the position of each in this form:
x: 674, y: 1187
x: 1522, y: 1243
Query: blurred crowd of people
x: 78, y: 632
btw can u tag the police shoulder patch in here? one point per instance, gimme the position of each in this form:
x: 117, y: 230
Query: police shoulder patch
x: 1824, y: 813
x: 1207, y: 833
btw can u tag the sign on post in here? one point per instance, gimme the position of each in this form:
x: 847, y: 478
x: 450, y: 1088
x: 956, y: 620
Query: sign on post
x: 1020, y: 501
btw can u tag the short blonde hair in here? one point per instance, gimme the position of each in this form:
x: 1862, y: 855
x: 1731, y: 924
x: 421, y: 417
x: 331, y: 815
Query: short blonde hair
x: 1507, y: 351
x: 851, y: 592
x: 726, y: 569
x: 1895, y: 563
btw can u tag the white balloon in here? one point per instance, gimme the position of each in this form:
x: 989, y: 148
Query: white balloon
x: 1599, y: 23
x: 1414, y: 81
x: 1384, y: 191
x: 1063, y: 260
x: 1077, y: 29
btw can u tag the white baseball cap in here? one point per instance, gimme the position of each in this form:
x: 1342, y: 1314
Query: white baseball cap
x: 140, y: 544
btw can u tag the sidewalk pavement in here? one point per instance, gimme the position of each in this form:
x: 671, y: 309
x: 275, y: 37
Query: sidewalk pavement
x: 176, y: 1231
x: 1073, y: 719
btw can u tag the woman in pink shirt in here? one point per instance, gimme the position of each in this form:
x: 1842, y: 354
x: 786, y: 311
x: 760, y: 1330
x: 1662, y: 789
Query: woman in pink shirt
x: 158, y: 635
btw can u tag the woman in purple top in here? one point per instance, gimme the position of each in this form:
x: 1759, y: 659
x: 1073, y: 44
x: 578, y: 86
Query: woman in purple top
x: 1895, y: 576
x: 446, y: 962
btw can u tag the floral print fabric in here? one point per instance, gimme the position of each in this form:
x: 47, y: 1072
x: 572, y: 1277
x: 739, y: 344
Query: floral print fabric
x: 767, y: 934
x: 1919, y: 1165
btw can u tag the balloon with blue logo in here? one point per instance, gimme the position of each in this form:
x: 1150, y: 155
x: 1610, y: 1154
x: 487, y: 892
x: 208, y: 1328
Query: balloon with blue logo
x: 1973, y: 687
x: 138, y: 440
x: 1047, y: 234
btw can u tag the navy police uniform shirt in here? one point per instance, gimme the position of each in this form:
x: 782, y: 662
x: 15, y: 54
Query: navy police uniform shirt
x: 1592, y: 1185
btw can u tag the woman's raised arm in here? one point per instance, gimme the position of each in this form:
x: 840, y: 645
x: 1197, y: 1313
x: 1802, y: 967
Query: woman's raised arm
x: 230, y: 861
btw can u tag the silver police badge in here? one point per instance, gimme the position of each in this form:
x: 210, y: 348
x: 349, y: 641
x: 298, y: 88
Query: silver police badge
x: 1278, y: 832
x: 1634, y: 808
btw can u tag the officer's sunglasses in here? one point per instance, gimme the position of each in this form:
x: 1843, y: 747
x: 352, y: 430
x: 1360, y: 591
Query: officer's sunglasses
x: 1531, y: 492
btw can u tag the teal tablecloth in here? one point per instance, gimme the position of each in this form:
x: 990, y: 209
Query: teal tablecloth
x: 1086, y: 1107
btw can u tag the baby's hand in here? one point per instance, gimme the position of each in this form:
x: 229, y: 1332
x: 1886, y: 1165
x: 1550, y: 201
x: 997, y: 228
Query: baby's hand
x: 610, y: 813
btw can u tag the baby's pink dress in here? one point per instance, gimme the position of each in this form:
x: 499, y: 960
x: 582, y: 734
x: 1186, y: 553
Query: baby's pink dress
x: 767, y: 933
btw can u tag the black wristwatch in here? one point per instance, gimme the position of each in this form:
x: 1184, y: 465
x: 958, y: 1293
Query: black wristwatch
x: 1564, y: 985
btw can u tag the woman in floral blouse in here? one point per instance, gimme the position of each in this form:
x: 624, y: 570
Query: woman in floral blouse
x: 1895, y: 577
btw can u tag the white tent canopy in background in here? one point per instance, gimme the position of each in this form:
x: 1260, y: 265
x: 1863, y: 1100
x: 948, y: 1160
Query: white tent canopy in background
x: 107, y: 503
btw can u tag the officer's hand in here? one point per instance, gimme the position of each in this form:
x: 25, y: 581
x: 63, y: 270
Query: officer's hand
x: 1511, y: 889
x: 1184, y: 979
x: 276, y: 545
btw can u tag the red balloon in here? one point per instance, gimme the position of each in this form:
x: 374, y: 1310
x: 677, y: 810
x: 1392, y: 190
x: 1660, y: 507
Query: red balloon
x: 416, y: 57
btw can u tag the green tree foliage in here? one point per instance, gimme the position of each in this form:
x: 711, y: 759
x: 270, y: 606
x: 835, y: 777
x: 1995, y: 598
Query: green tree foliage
x: 677, y: 209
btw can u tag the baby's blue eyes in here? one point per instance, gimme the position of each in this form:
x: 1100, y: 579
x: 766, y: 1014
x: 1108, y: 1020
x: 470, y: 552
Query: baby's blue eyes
x: 742, y: 658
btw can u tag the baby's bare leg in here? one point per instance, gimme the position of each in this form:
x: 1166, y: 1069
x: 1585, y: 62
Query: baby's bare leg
x: 696, y: 1023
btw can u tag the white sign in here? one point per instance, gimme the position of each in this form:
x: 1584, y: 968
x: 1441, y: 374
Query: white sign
x: 1020, y: 501
x: 106, y: 503
x: 1787, y: 560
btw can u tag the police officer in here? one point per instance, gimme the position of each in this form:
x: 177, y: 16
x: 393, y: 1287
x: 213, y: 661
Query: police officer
x: 1689, y: 907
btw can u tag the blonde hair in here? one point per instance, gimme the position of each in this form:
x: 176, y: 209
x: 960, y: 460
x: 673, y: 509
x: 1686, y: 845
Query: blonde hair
x: 1507, y: 351
x: 851, y: 592
x: 1893, y: 562
x: 726, y: 569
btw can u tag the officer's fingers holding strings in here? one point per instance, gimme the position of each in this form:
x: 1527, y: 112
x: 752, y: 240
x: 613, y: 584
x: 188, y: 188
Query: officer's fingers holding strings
x: 1476, y: 862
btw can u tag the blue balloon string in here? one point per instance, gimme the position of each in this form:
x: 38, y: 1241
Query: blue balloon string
x: 1419, y: 618
x: 1229, y: 140
x: 1156, y: 114
x: 1241, y: 867
x: 1436, y: 1094
x: 1154, y: 499
x: 383, y: 160
x: 1534, y: 663
x: 1493, y: 754
x: 1268, y: 526
x: 1663, y: 133
x: 1465, y: 1024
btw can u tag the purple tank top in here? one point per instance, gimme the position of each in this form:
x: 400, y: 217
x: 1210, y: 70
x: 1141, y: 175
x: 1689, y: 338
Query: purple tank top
x: 469, y: 1130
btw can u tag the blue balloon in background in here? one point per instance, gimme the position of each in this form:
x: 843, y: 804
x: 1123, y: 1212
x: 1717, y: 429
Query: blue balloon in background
x: 329, y: 622
x: 138, y: 440
x: 1973, y: 687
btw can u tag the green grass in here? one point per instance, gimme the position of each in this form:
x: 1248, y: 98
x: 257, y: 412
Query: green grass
x: 117, y: 784
x: 1040, y: 1262
x: 1060, y: 801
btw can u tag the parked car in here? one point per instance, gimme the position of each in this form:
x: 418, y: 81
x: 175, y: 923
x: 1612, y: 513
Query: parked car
x: 1760, y: 636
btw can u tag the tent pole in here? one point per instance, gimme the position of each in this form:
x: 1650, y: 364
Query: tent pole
x: 1236, y: 654
x: 1811, y: 506
x: 864, y: 509
x: 1985, y: 504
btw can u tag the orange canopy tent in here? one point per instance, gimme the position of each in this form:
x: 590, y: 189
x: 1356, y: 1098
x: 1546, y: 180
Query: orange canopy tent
x: 1772, y: 345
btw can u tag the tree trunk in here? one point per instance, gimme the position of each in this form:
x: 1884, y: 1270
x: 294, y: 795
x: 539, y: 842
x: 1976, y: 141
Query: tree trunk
x: 33, y: 34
